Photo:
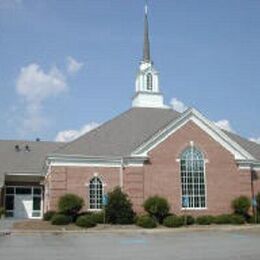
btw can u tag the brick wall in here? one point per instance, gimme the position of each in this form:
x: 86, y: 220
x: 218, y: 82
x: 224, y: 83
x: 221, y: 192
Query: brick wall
x: 161, y: 175
x: 224, y: 181
x: 75, y: 180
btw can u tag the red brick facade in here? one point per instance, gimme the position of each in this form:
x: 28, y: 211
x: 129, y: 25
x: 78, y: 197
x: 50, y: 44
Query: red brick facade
x: 161, y: 175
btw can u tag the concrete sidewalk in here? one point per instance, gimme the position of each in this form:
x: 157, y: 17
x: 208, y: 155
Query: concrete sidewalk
x: 6, y: 225
x: 137, y: 230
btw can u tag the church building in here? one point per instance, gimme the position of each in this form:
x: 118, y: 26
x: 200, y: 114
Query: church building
x: 148, y: 150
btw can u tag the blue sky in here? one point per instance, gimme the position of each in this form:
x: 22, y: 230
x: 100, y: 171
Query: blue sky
x: 70, y: 65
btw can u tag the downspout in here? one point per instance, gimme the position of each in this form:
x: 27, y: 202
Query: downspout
x: 121, y: 174
x: 253, y: 191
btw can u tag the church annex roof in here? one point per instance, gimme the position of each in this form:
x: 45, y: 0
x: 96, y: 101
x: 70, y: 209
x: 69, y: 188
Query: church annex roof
x: 24, y: 156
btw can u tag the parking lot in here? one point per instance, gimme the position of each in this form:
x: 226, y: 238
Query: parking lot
x: 174, y: 245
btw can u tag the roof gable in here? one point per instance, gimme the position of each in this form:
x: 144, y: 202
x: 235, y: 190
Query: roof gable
x: 210, y: 128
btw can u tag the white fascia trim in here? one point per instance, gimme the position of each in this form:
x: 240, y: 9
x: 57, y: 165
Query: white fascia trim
x: 209, y: 127
x: 248, y: 165
x: 33, y: 174
x: 97, y: 161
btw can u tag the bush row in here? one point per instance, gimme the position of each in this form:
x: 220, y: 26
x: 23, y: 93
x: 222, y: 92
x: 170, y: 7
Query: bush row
x: 84, y: 219
x: 173, y: 221
x: 119, y: 211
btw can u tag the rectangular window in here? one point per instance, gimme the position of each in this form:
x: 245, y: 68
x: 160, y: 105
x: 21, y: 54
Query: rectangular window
x: 23, y: 191
x: 9, y: 202
x: 36, y: 203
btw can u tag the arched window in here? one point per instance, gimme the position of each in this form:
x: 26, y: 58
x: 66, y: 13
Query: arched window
x: 149, y: 81
x: 193, y: 179
x: 95, y: 193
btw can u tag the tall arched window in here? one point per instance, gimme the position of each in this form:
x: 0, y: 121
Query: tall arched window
x: 149, y: 81
x: 193, y: 179
x: 95, y: 193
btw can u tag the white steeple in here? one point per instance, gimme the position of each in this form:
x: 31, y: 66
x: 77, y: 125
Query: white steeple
x: 147, y: 81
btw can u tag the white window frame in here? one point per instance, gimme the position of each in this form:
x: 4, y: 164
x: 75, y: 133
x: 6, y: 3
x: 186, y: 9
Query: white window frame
x: 205, y: 183
x: 32, y: 194
x: 89, y: 195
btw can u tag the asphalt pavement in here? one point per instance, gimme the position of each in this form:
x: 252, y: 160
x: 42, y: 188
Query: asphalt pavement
x: 199, y: 245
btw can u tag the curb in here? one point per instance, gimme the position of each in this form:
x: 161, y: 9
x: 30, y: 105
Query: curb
x: 136, y: 231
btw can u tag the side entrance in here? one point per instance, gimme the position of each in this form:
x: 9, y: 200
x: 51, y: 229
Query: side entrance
x: 23, y: 201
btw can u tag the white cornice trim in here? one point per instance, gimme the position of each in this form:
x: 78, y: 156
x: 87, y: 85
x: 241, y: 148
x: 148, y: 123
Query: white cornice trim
x: 96, y: 161
x: 210, y: 128
x: 248, y: 164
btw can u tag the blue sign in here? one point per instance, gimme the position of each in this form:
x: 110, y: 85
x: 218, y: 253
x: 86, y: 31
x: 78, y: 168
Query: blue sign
x: 185, y: 201
x: 254, y: 202
x: 105, y: 200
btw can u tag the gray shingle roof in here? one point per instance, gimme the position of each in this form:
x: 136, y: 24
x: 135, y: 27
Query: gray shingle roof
x: 117, y: 137
x: 251, y: 147
x: 29, y: 162
x: 121, y: 135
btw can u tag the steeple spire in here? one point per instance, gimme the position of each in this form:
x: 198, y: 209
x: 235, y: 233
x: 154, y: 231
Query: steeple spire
x: 146, y: 50
x: 147, y: 88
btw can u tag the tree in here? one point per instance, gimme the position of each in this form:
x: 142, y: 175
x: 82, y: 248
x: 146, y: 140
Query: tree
x: 119, y: 208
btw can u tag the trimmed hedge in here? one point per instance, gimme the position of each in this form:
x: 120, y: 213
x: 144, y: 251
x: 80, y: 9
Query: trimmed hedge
x: 47, y: 216
x: 173, y: 221
x: 241, y: 205
x: 70, y: 204
x: 146, y: 221
x: 190, y: 220
x: 98, y: 217
x: 205, y: 220
x: 157, y: 207
x: 60, y: 219
x: 223, y: 219
x: 237, y: 219
x: 86, y: 221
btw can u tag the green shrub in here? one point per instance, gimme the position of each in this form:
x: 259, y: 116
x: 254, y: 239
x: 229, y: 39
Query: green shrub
x: 146, y: 221
x: 98, y: 217
x: 205, y: 220
x: 70, y: 204
x: 188, y: 220
x: 157, y: 207
x: 258, y: 200
x: 241, y: 205
x: 86, y: 221
x: 258, y: 205
x: 173, y: 221
x: 47, y: 216
x: 223, y: 219
x: 119, y: 208
x: 2, y: 212
x: 60, y: 219
x: 237, y: 219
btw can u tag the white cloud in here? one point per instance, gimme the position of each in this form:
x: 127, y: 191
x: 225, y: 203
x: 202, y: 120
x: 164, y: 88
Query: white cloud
x: 178, y: 105
x: 256, y: 140
x: 69, y: 135
x: 34, y: 86
x: 225, y: 125
x: 73, y: 66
